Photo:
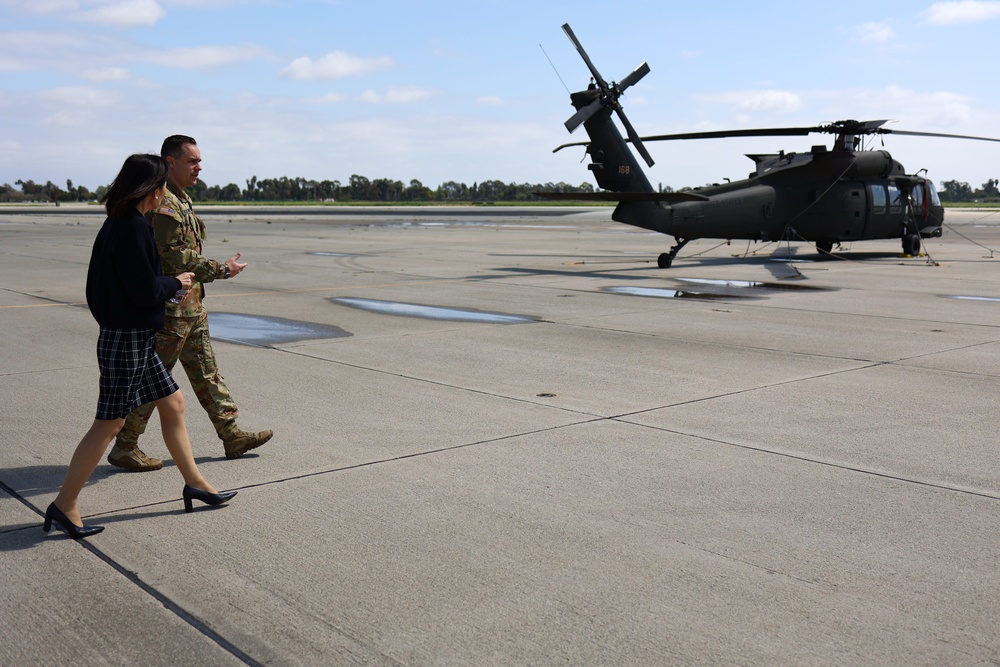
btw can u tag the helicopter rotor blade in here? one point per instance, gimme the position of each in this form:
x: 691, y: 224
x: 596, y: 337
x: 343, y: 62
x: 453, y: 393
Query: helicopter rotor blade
x: 936, y: 134
x: 584, y: 114
x: 725, y: 134
x: 634, y: 77
x: 634, y: 136
x: 583, y: 54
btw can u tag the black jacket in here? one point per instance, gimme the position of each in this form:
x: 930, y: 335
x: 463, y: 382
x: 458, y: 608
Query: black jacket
x: 126, y: 288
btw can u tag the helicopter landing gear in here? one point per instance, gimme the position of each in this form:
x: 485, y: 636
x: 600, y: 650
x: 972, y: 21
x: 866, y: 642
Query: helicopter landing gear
x: 911, y: 244
x: 824, y: 247
x: 666, y: 259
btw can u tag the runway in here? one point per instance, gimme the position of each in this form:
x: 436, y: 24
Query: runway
x: 503, y: 436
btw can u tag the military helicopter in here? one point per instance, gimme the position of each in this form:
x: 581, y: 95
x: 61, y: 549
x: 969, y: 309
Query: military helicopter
x: 826, y: 196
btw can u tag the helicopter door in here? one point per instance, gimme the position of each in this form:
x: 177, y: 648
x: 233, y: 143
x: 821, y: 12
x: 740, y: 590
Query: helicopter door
x: 854, y: 204
x: 879, y: 221
x: 918, y: 203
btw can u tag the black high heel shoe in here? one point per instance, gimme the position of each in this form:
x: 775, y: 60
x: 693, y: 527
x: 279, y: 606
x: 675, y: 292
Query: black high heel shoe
x: 191, y: 493
x: 53, y: 513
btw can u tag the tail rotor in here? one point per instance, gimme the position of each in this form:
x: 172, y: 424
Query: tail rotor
x: 608, y: 97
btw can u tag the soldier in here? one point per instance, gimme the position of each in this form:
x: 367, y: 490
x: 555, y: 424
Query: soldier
x: 179, y: 234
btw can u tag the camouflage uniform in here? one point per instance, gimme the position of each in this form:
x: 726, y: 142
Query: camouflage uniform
x: 179, y: 233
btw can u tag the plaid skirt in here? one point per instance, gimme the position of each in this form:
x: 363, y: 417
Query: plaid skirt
x: 131, y: 373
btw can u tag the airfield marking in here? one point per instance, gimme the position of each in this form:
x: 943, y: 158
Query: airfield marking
x: 43, y: 305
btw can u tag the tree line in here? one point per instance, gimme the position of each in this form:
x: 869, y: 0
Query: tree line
x: 284, y: 189
x: 384, y: 190
x: 955, y: 191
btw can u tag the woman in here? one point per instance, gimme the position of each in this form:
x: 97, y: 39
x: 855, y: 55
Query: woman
x: 126, y: 292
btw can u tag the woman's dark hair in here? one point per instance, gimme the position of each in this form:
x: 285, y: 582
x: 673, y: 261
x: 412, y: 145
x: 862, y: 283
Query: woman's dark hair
x: 141, y: 174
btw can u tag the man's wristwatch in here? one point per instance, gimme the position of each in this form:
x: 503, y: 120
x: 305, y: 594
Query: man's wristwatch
x: 228, y: 272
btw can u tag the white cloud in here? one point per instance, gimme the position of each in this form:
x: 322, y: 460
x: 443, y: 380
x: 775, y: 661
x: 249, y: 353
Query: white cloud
x: 47, y: 44
x: 124, y: 13
x: 917, y: 110
x: 759, y: 101
x: 77, y: 97
x: 104, y: 74
x: 73, y: 106
x: 335, y: 65
x: 490, y: 101
x: 329, y: 98
x: 407, y: 95
x: 936, y: 109
x: 396, y: 96
x: 46, y: 6
x: 875, y: 32
x: 686, y: 54
x: 965, y: 11
x: 198, y: 57
x: 205, y: 4
x: 11, y: 64
x: 65, y: 118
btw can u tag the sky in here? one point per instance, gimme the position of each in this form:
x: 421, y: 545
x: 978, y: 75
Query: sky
x: 464, y: 91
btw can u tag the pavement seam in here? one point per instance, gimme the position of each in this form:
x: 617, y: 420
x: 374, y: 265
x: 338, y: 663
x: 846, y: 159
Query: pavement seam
x: 177, y: 610
x: 830, y: 464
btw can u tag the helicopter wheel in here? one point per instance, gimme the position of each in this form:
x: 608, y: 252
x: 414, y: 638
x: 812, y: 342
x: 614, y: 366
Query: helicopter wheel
x: 824, y: 247
x: 911, y: 245
x: 665, y: 260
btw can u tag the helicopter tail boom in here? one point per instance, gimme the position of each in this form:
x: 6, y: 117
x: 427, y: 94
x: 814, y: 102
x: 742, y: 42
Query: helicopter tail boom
x: 614, y: 166
x: 666, y: 197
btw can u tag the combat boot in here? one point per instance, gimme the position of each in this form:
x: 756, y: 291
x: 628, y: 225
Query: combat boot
x: 240, y: 442
x: 127, y: 455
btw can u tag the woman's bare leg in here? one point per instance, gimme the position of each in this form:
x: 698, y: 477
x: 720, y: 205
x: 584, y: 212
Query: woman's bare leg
x: 175, y: 436
x: 85, y: 459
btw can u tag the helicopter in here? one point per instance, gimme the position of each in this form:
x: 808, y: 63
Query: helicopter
x: 825, y: 196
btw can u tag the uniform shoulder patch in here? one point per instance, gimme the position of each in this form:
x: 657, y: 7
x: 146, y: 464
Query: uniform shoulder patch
x: 166, y: 210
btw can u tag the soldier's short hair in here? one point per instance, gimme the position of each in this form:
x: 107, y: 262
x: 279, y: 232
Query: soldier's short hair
x: 173, y: 144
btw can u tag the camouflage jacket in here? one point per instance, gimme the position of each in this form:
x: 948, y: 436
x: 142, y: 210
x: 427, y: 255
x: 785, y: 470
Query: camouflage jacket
x: 179, y: 233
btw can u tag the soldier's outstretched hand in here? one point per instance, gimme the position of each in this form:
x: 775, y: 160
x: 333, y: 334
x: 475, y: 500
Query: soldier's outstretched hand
x: 235, y: 266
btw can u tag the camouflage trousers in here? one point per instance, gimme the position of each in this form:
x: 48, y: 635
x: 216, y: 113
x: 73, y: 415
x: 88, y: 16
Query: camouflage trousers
x: 186, y: 339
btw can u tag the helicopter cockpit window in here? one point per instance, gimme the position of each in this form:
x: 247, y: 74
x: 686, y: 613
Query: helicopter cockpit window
x: 878, y: 199
x: 935, y: 200
x: 895, y: 199
x: 917, y: 199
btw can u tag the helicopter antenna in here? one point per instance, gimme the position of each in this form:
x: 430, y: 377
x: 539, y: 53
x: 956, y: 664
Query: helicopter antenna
x: 554, y: 69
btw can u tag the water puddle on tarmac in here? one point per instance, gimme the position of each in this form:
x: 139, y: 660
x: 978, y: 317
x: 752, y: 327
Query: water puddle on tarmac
x: 753, y: 284
x: 972, y: 298
x: 661, y: 293
x: 266, y: 331
x: 432, y: 312
x: 721, y: 283
x: 707, y: 288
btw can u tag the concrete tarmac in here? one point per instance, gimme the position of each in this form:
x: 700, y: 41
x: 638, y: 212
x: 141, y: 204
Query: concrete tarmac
x: 755, y: 457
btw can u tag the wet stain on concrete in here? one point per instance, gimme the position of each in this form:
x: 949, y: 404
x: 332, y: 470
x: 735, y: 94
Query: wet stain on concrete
x: 753, y: 284
x: 432, y: 312
x: 971, y: 298
x: 707, y: 288
x: 267, y: 331
x: 665, y: 293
